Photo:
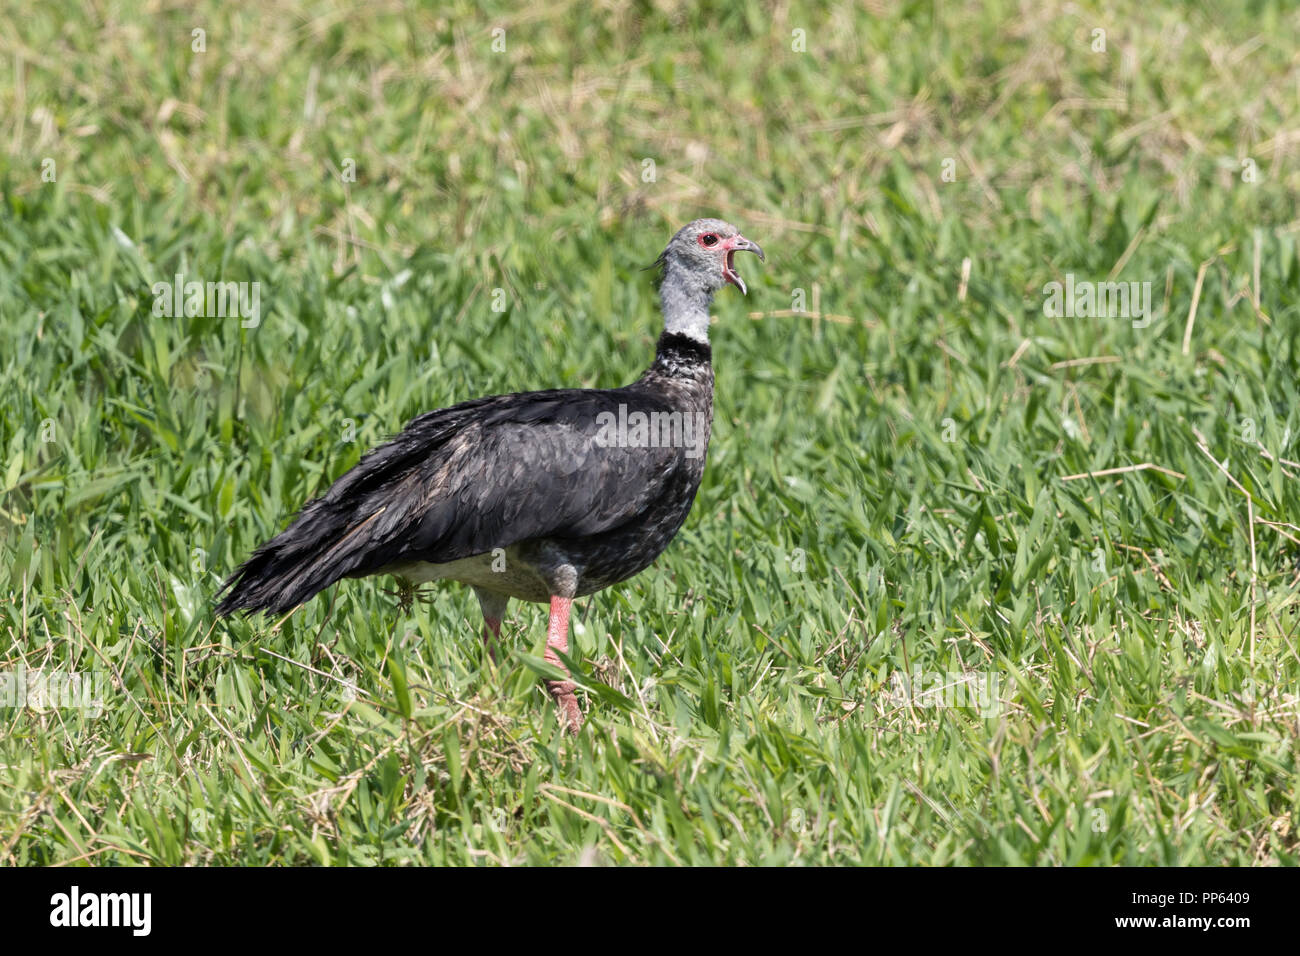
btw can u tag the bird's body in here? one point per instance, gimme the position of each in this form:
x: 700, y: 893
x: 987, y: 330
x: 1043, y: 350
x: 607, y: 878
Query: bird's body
x: 541, y: 496
x: 585, y: 525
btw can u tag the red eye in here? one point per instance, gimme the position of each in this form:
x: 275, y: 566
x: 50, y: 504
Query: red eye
x: 709, y: 239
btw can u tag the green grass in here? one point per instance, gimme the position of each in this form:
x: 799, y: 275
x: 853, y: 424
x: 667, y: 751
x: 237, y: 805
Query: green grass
x: 885, y: 489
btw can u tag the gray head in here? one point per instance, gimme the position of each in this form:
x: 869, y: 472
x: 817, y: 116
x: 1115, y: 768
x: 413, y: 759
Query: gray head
x: 698, y: 262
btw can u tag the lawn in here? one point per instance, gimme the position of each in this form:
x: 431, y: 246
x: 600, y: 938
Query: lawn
x: 979, y: 573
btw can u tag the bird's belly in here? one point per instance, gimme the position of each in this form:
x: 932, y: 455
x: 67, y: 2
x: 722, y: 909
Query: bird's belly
x: 502, y: 571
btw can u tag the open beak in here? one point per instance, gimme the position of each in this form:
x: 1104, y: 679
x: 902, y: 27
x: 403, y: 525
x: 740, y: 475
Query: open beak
x: 739, y: 244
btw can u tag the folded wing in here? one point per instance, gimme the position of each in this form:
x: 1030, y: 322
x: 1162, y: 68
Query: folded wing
x: 462, y: 481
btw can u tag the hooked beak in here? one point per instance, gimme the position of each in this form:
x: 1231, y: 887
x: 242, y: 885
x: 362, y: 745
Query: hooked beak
x: 739, y: 244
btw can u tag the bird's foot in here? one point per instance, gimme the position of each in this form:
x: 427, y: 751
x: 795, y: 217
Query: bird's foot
x: 567, y: 703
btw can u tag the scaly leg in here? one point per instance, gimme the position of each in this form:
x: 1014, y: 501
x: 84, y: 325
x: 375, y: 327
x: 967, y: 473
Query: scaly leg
x: 557, y: 639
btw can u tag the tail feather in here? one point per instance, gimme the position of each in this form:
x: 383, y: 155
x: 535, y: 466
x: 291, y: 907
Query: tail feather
x: 342, y: 533
x: 301, y: 561
x: 284, y: 572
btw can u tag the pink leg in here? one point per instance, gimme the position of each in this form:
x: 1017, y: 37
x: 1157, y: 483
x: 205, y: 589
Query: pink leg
x: 557, y: 639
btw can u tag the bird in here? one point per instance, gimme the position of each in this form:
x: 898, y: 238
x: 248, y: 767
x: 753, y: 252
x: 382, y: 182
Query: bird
x: 543, y: 496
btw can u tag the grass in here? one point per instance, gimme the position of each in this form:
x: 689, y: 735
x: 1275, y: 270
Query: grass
x: 921, y: 472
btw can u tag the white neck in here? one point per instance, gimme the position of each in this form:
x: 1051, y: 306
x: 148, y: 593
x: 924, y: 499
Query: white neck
x: 693, y: 324
x: 685, y: 305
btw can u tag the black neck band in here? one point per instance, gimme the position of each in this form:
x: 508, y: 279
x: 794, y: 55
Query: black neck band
x: 683, y: 348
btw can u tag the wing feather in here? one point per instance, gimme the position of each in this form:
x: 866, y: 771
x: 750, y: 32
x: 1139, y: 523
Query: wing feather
x: 462, y: 481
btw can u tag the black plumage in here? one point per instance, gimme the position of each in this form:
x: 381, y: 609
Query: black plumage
x: 491, y: 473
x: 541, y: 496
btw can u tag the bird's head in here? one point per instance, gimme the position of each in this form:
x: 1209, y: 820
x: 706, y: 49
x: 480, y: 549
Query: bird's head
x: 703, y: 254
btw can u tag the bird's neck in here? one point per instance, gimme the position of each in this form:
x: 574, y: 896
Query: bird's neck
x: 685, y: 301
x: 681, y: 356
